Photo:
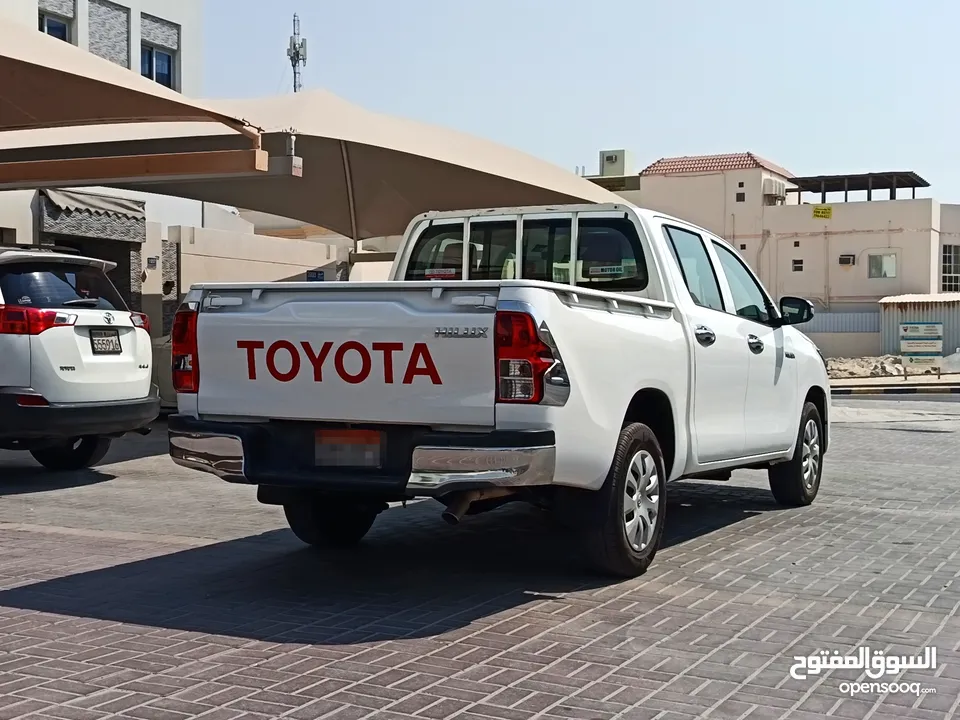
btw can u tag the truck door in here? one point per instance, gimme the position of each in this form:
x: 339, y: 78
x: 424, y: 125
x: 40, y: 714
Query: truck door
x: 720, y: 355
x: 771, y: 411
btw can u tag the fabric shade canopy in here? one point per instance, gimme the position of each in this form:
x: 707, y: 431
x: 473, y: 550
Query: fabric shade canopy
x: 364, y: 174
x: 45, y: 82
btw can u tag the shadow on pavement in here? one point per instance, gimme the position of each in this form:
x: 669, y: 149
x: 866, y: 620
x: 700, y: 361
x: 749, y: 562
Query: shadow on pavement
x: 19, y: 469
x: 135, y: 447
x: 36, y: 479
x: 412, y: 577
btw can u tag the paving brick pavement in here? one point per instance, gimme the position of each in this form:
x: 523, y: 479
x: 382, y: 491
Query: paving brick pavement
x: 147, y: 592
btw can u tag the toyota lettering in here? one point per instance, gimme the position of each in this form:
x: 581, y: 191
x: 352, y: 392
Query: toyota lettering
x: 353, y: 362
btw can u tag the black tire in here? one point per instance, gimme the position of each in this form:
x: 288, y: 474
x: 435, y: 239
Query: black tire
x: 790, y: 484
x: 323, y: 523
x: 610, y: 550
x: 75, y: 454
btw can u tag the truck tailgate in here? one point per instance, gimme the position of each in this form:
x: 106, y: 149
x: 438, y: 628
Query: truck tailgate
x: 410, y: 353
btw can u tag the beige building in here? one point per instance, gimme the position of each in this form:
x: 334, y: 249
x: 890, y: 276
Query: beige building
x: 827, y: 238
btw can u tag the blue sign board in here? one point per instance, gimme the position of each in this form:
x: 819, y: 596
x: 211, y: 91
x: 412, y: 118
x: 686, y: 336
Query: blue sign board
x: 314, y: 275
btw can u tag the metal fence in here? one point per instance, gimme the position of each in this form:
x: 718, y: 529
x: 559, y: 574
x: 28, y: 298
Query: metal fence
x: 893, y: 314
x: 843, y: 322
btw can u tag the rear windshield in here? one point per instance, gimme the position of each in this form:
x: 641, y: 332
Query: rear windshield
x: 609, y: 253
x: 57, y: 286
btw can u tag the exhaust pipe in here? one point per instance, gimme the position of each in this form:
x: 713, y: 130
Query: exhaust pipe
x: 460, y: 502
x: 458, y: 507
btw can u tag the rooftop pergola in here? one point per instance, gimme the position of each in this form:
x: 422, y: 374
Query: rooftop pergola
x: 890, y: 181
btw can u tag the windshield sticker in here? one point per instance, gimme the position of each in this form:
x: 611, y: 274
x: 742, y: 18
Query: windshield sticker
x: 606, y: 270
x: 442, y: 272
x: 25, y: 300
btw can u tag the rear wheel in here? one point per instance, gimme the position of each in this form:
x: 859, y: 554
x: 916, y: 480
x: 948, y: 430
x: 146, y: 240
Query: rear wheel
x: 626, y: 530
x: 73, y: 454
x: 329, y: 524
x: 797, y: 482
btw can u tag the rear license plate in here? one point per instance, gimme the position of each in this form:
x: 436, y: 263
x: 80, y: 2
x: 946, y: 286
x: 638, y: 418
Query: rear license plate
x: 348, y: 448
x: 105, y: 342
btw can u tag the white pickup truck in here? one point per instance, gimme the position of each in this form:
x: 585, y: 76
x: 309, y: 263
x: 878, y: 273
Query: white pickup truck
x: 490, y: 368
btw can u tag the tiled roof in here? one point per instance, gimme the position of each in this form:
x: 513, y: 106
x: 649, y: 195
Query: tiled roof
x: 712, y: 163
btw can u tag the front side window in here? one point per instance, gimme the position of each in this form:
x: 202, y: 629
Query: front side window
x: 882, y: 266
x: 57, y: 286
x: 749, y: 299
x: 695, y: 266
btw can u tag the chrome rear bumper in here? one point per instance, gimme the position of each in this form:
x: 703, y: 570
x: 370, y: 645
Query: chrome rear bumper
x: 435, y: 470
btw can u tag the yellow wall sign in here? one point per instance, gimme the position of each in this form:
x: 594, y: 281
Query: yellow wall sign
x: 822, y: 212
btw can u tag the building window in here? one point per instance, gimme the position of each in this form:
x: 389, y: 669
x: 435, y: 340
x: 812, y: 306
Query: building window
x: 740, y: 184
x: 743, y: 246
x: 54, y: 26
x: 950, y: 269
x: 882, y: 266
x: 741, y: 197
x: 798, y: 265
x: 157, y: 64
x: 796, y: 243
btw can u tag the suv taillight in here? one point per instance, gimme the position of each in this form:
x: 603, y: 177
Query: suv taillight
x: 186, y: 365
x: 31, y: 321
x: 140, y: 320
x: 522, y: 358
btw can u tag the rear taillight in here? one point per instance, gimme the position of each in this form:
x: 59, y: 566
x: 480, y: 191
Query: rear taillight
x: 140, y: 320
x: 522, y: 358
x: 186, y: 365
x: 31, y: 321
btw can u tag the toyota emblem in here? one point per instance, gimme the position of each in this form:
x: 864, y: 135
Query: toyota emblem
x: 108, y: 318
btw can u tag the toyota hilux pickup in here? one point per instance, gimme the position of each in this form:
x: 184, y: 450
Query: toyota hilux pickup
x: 576, y: 357
x: 75, y: 361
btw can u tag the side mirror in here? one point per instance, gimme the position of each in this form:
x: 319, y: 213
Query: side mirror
x: 795, y: 310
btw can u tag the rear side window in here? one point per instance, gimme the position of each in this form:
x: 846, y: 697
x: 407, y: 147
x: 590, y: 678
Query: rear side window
x: 609, y: 252
x: 56, y: 286
x: 695, y: 266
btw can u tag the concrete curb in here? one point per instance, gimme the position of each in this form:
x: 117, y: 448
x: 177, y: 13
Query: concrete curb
x: 888, y: 390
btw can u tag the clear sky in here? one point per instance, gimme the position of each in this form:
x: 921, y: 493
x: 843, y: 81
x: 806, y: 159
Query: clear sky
x: 818, y: 86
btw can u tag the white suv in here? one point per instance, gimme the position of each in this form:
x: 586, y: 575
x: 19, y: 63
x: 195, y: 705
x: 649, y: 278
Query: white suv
x: 74, y: 360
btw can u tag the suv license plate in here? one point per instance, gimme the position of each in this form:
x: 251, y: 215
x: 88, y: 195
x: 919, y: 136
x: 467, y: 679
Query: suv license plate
x: 348, y: 448
x: 105, y: 342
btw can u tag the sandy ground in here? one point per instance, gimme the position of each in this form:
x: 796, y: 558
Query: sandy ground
x: 884, y: 366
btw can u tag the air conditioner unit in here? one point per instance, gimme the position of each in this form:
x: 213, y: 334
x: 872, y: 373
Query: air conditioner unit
x: 774, y: 188
x: 614, y: 163
x: 848, y: 260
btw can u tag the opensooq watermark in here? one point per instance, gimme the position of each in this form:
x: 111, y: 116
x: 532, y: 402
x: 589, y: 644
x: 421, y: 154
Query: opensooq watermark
x: 875, y: 665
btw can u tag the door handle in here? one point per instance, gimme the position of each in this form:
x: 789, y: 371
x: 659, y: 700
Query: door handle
x: 755, y: 344
x: 705, y: 336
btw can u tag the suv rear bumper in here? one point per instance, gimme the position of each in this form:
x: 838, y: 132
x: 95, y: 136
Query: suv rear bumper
x: 418, y: 462
x: 66, y: 420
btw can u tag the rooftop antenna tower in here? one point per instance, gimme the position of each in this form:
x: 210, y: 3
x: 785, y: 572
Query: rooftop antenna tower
x: 297, y: 52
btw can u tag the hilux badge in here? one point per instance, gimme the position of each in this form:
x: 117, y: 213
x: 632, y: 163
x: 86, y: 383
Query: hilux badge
x: 460, y: 332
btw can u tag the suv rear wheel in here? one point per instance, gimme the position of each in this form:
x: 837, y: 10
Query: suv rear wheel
x: 73, y: 454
